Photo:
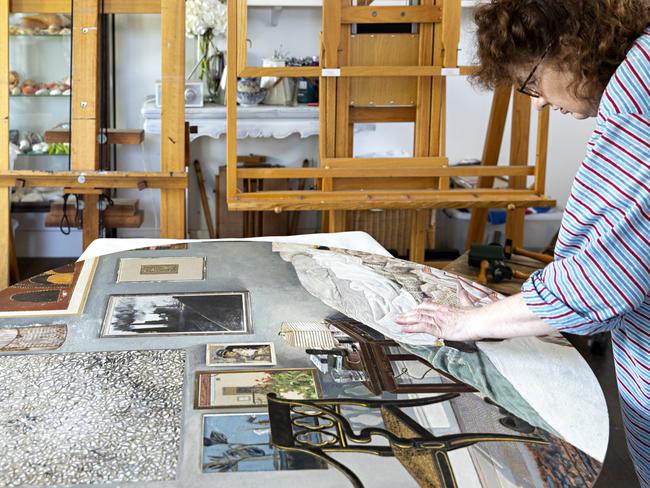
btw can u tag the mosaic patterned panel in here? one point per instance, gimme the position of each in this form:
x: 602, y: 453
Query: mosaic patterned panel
x: 90, y: 418
x: 51, y: 290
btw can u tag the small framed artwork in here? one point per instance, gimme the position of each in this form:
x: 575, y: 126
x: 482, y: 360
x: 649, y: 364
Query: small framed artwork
x: 248, y: 388
x: 240, y: 354
x: 177, y: 314
x: 241, y: 442
x: 151, y: 270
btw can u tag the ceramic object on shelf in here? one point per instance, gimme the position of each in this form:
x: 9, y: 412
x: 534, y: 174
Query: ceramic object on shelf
x: 14, y: 79
x: 249, y: 92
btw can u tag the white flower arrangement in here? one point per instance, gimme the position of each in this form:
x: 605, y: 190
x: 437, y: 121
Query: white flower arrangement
x: 205, y: 17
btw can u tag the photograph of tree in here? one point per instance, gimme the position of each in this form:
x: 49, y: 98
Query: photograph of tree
x: 228, y: 389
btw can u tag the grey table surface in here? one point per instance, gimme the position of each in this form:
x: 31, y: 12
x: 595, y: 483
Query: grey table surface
x: 276, y: 296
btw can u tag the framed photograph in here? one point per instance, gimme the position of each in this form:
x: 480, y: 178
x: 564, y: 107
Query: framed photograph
x: 240, y: 354
x: 173, y: 268
x: 248, y: 388
x: 177, y: 314
x: 241, y: 442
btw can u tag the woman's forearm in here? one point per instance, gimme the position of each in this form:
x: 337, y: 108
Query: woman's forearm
x: 506, y: 318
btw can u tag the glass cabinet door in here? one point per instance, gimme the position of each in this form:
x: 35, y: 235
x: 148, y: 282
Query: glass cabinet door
x: 40, y: 88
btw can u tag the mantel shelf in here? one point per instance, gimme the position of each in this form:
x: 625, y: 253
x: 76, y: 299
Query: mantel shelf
x: 262, y: 121
x: 319, y: 3
x: 276, y: 6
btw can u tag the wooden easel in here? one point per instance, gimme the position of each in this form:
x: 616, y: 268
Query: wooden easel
x: 84, y: 177
x: 349, y: 61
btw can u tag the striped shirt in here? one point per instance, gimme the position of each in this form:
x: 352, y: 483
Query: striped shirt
x: 600, y: 279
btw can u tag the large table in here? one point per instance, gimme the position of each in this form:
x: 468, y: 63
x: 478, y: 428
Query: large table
x: 122, y: 409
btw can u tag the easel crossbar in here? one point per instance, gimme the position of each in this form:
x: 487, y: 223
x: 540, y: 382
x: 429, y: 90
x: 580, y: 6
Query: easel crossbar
x: 359, y: 200
x: 355, y: 71
x: 420, y: 14
x: 93, y: 179
x: 65, y: 6
x: 366, y: 170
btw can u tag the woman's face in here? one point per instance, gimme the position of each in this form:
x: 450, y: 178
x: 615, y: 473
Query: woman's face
x: 554, y: 87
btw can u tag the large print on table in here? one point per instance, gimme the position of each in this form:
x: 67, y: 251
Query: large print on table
x: 543, y: 380
x: 85, y: 418
x: 241, y: 442
x: 177, y: 313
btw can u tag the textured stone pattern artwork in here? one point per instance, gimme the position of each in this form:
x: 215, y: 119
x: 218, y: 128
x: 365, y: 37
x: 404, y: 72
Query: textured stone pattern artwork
x: 85, y: 418
x: 33, y: 338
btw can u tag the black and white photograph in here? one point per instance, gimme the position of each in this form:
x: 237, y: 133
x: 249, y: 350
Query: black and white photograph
x: 177, y: 314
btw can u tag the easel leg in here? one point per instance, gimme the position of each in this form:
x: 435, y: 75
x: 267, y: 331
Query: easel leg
x: 491, y: 149
x: 419, y: 225
x: 337, y: 221
x: 5, y: 223
x: 90, y: 219
x: 519, y: 142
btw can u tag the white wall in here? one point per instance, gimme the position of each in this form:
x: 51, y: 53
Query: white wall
x: 138, y: 47
x: 138, y: 55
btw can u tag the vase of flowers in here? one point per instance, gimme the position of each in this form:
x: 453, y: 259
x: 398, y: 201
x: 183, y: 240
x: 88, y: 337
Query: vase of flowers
x: 207, y: 21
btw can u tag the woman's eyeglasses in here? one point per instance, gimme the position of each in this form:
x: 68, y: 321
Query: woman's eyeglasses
x: 531, y: 92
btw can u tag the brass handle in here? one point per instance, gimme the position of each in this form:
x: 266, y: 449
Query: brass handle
x: 482, y: 276
x: 544, y: 258
x: 520, y: 276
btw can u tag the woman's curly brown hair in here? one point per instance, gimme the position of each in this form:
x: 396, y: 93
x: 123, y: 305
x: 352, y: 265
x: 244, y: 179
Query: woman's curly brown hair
x: 589, y: 38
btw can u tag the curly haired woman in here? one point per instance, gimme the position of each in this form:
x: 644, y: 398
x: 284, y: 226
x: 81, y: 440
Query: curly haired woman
x: 589, y: 58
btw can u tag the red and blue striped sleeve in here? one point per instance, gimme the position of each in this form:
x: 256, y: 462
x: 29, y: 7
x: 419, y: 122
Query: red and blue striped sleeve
x: 602, y: 267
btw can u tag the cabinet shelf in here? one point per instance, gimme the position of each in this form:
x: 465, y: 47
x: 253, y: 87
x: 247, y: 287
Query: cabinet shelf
x: 40, y: 155
x: 42, y: 36
x: 39, y: 96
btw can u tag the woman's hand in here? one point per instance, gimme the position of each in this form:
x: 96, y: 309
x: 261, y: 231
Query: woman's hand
x: 500, y: 319
x: 450, y: 322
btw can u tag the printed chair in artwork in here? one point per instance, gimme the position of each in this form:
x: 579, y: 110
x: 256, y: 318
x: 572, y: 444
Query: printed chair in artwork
x: 294, y: 424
